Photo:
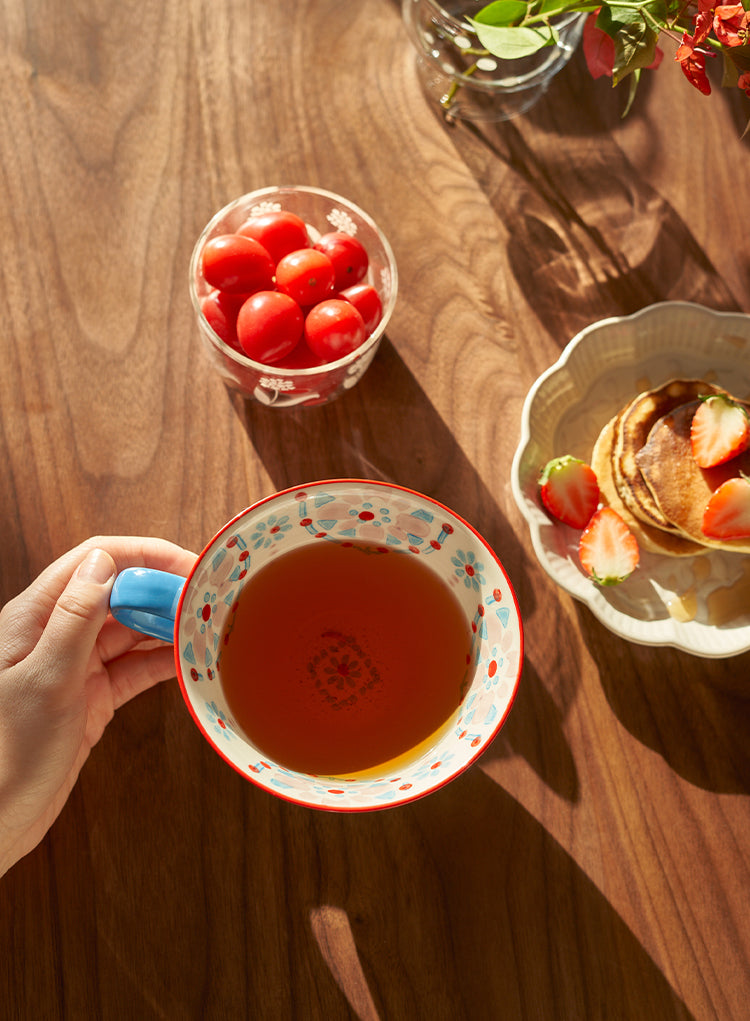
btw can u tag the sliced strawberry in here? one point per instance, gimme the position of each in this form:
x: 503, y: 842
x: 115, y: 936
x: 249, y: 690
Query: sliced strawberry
x: 608, y: 549
x: 569, y: 490
x: 727, y: 513
x: 720, y: 430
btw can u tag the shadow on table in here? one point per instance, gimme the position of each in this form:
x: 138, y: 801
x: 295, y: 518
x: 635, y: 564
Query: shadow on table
x: 597, y: 106
x: 693, y: 712
x: 461, y: 906
x: 579, y: 104
x: 385, y: 428
x: 587, y: 236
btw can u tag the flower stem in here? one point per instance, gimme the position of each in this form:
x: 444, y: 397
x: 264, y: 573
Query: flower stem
x: 448, y: 99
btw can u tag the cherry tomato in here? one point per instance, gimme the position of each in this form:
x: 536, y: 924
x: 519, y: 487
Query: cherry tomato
x: 237, y: 264
x: 348, y: 256
x: 300, y: 358
x: 334, y: 328
x: 221, y: 310
x: 280, y: 232
x: 367, y: 302
x: 305, y: 275
x: 269, y: 325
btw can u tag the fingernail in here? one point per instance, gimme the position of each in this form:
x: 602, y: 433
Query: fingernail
x: 97, y: 567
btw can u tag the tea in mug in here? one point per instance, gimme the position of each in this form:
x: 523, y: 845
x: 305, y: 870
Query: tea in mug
x: 339, y: 657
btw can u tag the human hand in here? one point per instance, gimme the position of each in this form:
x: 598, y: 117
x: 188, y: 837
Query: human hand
x: 65, y: 666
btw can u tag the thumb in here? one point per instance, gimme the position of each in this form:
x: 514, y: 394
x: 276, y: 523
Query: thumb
x: 64, y: 649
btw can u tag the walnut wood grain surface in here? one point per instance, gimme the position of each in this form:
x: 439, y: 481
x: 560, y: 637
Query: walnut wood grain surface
x: 594, y: 864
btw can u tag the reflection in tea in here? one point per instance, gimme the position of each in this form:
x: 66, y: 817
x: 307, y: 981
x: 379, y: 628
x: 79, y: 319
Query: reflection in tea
x: 338, y: 657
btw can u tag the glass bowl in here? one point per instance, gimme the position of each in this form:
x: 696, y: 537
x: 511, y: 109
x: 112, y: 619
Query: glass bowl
x: 322, y: 211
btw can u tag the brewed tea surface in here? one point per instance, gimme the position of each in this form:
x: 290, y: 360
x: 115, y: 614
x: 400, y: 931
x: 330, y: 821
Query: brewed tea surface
x: 342, y: 656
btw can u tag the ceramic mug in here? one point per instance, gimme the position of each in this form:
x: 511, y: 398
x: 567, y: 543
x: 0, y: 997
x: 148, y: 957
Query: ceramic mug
x: 192, y: 613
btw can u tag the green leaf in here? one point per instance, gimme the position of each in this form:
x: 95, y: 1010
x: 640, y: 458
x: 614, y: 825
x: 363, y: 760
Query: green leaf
x: 507, y: 13
x: 731, y: 74
x: 617, y: 16
x: 501, y: 13
x: 739, y: 56
x: 552, y: 8
x: 633, y: 36
x: 633, y: 50
x: 513, y: 43
x: 634, y: 79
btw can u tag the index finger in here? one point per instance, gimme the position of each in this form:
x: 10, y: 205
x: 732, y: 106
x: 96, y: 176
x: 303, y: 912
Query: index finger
x: 125, y: 550
x: 25, y: 616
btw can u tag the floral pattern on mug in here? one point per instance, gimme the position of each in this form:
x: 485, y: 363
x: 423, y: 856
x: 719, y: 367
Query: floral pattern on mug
x: 217, y: 717
x: 270, y: 530
x: 469, y: 569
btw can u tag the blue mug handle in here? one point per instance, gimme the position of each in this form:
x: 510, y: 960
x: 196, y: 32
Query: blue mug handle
x: 146, y: 600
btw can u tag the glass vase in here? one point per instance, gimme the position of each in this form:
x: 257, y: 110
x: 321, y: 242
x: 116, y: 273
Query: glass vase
x: 465, y: 80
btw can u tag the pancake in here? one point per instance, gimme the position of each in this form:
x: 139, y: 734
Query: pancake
x: 631, y: 432
x: 678, y: 486
x: 649, y: 537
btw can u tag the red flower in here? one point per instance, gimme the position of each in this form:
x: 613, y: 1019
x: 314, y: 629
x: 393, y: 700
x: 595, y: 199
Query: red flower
x: 693, y: 63
x: 732, y: 24
x: 658, y: 54
x: 598, y: 49
x: 744, y: 82
x: 702, y: 23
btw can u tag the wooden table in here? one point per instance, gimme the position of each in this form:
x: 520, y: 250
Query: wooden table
x: 594, y: 863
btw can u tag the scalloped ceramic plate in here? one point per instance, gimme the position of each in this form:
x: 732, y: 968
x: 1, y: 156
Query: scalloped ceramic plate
x: 698, y: 604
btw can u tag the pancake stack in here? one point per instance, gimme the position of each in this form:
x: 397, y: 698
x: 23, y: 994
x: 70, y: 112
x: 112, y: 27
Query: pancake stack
x: 646, y: 471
